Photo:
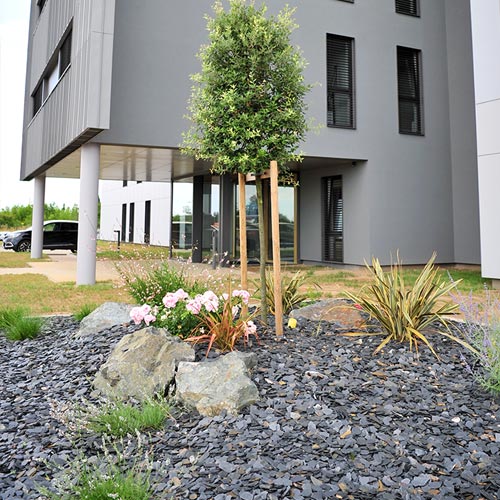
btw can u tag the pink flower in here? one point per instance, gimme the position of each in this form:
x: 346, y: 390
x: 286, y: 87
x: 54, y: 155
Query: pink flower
x: 225, y: 296
x: 210, y: 301
x: 145, y: 309
x: 136, y: 315
x: 170, y: 300
x: 149, y: 318
x: 235, y: 310
x: 357, y: 306
x: 193, y: 306
x: 251, y: 328
x: 181, y: 294
x: 245, y: 296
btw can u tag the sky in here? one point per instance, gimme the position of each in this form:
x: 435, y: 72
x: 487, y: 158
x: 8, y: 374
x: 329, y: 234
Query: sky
x: 14, y: 21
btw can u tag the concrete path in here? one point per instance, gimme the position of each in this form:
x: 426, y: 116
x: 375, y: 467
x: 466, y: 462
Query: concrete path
x: 62, y: 268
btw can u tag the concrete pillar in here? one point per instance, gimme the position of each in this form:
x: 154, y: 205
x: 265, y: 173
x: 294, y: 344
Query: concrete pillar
x: 37, y: 218
x: 87, y: 218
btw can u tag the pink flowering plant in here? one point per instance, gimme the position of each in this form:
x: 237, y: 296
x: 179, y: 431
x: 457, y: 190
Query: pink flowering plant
x: 207, y: 317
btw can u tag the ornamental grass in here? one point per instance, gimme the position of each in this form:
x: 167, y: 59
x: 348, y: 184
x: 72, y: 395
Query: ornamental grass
x: 403, y: 312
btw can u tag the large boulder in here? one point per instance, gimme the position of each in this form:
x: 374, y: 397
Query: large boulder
x: 213, y: 386
x: 142, y: 364
x: 105, y: 316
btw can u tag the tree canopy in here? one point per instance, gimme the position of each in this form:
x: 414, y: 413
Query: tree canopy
x: 247, y: 103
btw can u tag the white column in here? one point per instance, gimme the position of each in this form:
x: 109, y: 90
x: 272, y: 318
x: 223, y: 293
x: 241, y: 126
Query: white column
x: 37, y: 218
x: 87, y: 218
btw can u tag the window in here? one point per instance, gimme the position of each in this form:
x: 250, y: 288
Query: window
x: 340, y: 86
x: 409, y: 91
x: 333, y: 219
x: 53, y: 73
x: 124, y: 222
x: 131, y: 220
x: 40, y: 4
x: 408, y: 7
x: 65, y: 54
x: 147, y: 222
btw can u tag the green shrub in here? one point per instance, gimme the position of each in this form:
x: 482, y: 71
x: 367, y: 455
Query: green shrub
x: 119, y: 419
x: 481, y: 328
x: 291, y: 295
x: 404, y: 312
x: 149, y: 286
x: 84, y: 311
x: 17, y: 325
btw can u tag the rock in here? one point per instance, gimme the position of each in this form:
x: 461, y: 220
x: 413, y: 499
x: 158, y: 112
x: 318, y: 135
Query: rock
x: 105, y: 316
x: 142, y: 364
x: 214, y: 386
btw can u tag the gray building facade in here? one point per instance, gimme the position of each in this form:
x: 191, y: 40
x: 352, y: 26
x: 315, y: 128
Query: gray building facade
x: 393, y: 167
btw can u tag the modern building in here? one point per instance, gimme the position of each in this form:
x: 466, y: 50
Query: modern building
x: 394, y: 166
x: 486, y: 38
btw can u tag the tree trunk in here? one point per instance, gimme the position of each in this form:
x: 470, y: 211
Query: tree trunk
x: 263, y: 250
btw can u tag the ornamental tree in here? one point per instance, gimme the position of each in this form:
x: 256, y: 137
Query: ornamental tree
x: 247, y: 104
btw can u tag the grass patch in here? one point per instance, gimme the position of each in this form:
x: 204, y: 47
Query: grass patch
x: 17, y: 325
x: 119, y: 419
x: 18, y: 259
x: 108, y: 250
x: 84, y: 311
x: 47, y: 297
x: 91, y: 481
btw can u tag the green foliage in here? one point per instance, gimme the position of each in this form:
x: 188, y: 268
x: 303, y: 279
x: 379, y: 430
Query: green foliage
x: 84, y: 311
x: 119, y: 419
x: 178, y: 320
x: 17, y: 325
x: 102, y: 481
x: 405, y: 312
x: 291, y: 295
x: 20, y: 215
x: 247, y: 103
x: 149, y: 286
x: 481, y: 328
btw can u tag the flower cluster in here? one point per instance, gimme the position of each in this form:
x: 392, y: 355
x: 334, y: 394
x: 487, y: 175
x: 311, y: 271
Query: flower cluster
x: 211, y: 315
x: 142, y: 313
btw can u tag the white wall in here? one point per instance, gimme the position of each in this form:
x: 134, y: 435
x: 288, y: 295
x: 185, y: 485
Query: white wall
x: 486, y: 45
x: 113, y: 195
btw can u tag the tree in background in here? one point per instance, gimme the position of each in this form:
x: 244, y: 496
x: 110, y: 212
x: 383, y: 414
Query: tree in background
x: 20, y: 216
x: 247, y: 103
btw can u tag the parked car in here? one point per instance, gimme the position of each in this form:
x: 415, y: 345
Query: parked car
x: 4, y: 234
x: 57, y: 235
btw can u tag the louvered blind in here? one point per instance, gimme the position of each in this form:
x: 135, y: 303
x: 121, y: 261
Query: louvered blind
x: 409, y: 7
x: 333, y: 216
x: 409, y: 91
x: 340, y: 88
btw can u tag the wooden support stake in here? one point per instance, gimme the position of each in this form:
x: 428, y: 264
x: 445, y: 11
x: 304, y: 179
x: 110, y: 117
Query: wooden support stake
x: 275, y: 227
x: 243, y: 237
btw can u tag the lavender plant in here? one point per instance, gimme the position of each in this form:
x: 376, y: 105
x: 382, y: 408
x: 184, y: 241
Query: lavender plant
x: 481, y: 327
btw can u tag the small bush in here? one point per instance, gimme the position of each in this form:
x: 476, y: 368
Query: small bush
x: 404, y: 312
x: 17, y: 325
x: 84, y: 311
x: 119, y: 419
x: 481, y: 328
x: 291, y: 295
x: 149, y: 286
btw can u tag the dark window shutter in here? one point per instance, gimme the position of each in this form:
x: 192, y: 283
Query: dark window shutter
x: 340, y: 87
x: 333, y: 219
x: 37, y: 98
x: 409, y: 91
x: 408, y: 7
x: 65, y: 54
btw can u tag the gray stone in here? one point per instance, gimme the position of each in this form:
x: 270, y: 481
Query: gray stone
x: 105, y: 316
x: 142, y: 364
x: 213, y: 386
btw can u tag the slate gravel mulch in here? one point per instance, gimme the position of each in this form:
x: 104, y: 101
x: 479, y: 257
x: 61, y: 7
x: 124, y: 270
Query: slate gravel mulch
x: 334, y: 421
